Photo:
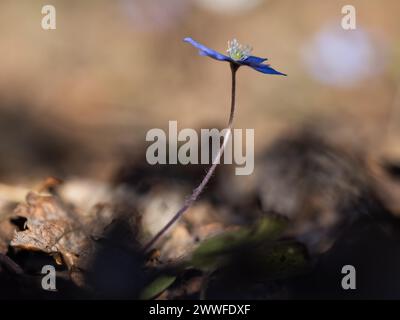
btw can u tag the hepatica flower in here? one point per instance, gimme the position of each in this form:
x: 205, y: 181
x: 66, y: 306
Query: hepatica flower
x: 239, y: 55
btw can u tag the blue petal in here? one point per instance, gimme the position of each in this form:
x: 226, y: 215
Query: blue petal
x: 204, y: 51
x: 264, y: 68
x: 253, y: 60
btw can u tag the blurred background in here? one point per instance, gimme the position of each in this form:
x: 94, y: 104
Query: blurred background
x: 76, y: 103
x: 78, y: 100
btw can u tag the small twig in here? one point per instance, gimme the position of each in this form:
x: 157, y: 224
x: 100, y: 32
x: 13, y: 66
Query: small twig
x: 196, y: 192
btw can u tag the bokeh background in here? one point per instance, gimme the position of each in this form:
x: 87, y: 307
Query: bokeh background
x: 76, y: 104
x: 76, y: 101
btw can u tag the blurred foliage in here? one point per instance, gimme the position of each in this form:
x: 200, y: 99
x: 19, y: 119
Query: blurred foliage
x: 157, y: 286
x: 243, y: 255
x: 218, y: 251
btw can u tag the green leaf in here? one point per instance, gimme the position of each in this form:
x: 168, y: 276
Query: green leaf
x: 217, y: 251
x: 157, y: 286
x: 269, y: 228
x: 213, y: 252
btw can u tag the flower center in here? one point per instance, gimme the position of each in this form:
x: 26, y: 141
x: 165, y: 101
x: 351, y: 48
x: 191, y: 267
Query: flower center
x: 237, y: 51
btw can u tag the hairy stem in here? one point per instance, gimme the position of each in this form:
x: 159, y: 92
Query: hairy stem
x: 196, y: 192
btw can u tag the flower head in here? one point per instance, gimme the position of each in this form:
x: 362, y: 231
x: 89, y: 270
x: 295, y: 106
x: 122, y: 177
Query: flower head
x: 237, y: 51
x: 239, y: 55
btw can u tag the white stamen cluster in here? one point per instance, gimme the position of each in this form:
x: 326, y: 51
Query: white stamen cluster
x: 237, y: 51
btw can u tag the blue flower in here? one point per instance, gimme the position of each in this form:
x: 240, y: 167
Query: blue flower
x: 239, y: 55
